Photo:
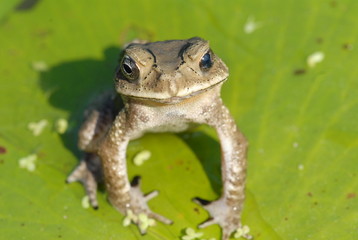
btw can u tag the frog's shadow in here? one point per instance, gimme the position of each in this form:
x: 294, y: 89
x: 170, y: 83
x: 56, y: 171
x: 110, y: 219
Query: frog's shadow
x: 71, y: 86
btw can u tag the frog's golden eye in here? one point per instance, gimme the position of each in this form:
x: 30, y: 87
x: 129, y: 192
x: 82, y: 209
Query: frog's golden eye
x: 206, y: 61
x: 129, y: 68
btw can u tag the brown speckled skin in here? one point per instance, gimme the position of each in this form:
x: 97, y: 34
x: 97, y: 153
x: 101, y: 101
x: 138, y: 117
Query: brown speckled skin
x: 171, y: 92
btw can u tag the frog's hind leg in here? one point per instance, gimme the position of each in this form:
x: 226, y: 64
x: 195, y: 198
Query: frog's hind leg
x: 89, y: 173
x: 89, y: 170
x: 98, y: 119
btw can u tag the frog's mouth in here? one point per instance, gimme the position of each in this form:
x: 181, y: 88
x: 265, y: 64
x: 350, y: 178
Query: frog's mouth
x: 174, y: 99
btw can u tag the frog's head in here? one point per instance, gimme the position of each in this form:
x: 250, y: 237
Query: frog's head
x: 169, y: 71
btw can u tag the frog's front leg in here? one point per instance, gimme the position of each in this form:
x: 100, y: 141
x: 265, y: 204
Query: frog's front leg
x: 226, y: 211
x: 126, y: 198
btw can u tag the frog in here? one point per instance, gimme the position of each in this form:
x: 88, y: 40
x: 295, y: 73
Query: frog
x: 163, y: 86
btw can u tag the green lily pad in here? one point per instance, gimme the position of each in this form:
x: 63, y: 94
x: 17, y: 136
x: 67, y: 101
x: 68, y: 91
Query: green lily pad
x: 301, y: 121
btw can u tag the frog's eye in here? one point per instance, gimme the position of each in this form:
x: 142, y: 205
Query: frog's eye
x: 206, y: 61
x: 129, y: 68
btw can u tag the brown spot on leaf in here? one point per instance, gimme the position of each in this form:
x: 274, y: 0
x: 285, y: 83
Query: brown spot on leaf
x: 333, y: 4
x: 351, y: 195
x: 197, y: 210
x: 2, y: 150
x: 299, y: 71
x: 319, y: 40
x: 309, y: 194
x: 179, y: 162
x: 347, y: 46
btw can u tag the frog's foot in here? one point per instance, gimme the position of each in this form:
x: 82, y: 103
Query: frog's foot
x: 139, y: 201
x: 139, y: 207
x: 227, y: 217
x: 89, y: 177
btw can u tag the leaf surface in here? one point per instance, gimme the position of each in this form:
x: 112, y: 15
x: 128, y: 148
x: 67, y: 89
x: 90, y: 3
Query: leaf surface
x: 301, y: 122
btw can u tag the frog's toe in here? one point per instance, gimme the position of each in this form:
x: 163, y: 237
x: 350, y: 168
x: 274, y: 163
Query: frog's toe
x: 77, y: 174
x: 227, y: 217
x: 83, y: 175
x: 141, y: 200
